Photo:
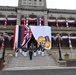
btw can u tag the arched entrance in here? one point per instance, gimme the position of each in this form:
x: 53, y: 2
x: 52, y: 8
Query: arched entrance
x: 32, y: 42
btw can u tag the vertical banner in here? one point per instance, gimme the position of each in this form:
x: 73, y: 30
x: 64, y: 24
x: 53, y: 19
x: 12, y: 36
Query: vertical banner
x: 42, y: 34
x: 22, y: 35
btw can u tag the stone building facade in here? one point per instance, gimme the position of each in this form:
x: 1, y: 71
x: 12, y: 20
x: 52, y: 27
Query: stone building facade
x: 34, y: 9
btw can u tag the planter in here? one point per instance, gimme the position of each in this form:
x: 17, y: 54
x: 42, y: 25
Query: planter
x: 66, y: 56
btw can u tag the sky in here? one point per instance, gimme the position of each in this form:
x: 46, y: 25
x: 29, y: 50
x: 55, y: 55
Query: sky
x: 54, y: 4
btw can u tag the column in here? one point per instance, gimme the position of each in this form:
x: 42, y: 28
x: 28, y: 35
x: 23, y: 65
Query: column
x: 45, y: 19
x: 18, y: 17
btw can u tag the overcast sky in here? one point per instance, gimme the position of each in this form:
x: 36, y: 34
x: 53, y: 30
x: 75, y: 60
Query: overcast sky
x: 58, y: 4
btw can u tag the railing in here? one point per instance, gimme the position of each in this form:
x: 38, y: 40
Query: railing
x: 53, y: 28
x: 6, y: 28
x: 63, y: 28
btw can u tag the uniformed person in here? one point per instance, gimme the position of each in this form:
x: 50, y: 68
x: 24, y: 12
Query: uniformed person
x: 30, y: 53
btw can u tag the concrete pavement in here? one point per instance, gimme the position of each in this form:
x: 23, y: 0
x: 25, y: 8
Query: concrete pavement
x: 40, y: 72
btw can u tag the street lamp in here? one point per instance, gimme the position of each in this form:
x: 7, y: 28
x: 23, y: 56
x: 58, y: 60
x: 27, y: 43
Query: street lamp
x: 59, y: 46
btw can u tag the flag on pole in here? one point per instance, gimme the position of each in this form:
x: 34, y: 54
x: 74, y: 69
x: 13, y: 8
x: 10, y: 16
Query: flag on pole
x: 5, y: 23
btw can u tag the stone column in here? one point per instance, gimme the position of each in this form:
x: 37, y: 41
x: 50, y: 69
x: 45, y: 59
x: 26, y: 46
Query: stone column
x: 18, y: 17
x: 45, y: 19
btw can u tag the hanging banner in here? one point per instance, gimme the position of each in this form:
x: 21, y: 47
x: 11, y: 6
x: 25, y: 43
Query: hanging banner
x: 42, y: 34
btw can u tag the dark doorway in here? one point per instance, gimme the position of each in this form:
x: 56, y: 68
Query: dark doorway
x: 32, y: 42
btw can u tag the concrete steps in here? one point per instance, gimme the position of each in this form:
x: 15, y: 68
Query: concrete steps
x: 24, y: 61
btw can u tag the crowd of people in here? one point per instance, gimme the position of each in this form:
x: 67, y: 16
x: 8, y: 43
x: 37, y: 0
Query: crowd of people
x: 32, y: 51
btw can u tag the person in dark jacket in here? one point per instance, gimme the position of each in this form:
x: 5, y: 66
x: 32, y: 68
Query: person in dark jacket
x: 30, y: 54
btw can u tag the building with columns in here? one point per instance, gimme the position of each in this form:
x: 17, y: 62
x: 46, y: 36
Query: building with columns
x: 60, y: 20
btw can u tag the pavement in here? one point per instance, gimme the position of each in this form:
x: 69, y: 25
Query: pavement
x: 40, y: 72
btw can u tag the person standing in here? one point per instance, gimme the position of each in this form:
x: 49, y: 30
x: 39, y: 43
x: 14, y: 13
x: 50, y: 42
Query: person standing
x: 30, y: 54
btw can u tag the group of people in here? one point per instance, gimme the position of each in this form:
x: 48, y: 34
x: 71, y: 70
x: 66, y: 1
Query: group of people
x: 31, y: 51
